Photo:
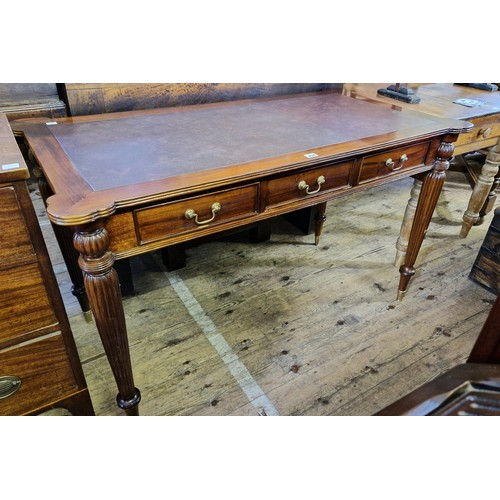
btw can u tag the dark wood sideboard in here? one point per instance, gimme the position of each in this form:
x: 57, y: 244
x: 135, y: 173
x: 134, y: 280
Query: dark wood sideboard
x: 39, y: 364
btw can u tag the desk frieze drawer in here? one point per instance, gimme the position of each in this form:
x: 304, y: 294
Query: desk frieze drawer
x: 33, y: 373
x: 308, y: 183
x: 485, y: 129
x: 392, y: 162
x: 169, y: 220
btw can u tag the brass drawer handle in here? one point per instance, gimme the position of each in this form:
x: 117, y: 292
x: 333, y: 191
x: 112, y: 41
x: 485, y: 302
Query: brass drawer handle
x: 485, y: 132
x: 391, y: 163
x: 9, y: 385
x: 191, y: 214
x: 303, y: 185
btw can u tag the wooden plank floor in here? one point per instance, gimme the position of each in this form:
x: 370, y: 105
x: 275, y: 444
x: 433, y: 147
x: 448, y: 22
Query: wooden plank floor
x: 285, y: 327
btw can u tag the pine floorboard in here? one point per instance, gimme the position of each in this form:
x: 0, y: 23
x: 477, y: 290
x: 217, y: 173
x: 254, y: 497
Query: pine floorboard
x: 318, y: 328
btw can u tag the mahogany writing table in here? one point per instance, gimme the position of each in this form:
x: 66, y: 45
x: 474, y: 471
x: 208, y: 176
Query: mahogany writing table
x: 439, y: 99
x: 128, y: 183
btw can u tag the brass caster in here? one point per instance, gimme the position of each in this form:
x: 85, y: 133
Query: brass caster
x: 88, y: 316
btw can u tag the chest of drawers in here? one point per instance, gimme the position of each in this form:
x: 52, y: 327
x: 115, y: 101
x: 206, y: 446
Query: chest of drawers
x: 39, y: 364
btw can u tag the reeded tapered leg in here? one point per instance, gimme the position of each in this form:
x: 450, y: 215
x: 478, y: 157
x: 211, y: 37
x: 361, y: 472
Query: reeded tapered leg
x: 64, y: 237
x: 482, y: 189
x: 319, y: 220
x: 431, y: 189
x: 404, y: 234
x: 103, y: 290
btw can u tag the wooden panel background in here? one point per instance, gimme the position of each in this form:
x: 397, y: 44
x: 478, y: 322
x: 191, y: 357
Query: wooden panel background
x: 26, y: 100
x: 92, y: 98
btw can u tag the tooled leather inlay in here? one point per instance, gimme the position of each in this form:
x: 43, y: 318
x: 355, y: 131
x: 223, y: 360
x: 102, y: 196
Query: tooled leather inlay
x: 119, y: 152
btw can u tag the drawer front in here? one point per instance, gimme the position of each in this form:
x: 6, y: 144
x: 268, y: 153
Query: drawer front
x: 38, y: 373
x: 195, y: 214
x: 484, y: 129
x: 307, y: 183
x: 15, y: 243
x: 24, y: 305
x: 392, y: 162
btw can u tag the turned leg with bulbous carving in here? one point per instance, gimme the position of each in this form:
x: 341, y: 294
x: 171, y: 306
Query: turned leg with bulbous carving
x: 431, y: 189
x: 103, y: 290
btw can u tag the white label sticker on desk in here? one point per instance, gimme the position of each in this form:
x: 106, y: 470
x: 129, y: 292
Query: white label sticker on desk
x: 311, y: 155
x: 10, y: 166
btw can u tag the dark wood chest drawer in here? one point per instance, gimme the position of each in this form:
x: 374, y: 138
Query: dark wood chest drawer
x: 33, y: 373
x: 15, y: 243
x: 307, y: 183
x: 392, y: 161
x: 39, y: 364
x: 195, y: 213
x: 24, y: 303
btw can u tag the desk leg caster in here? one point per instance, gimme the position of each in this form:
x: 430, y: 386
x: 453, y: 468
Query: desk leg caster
x: 130, y: 406
x: 406, y: 273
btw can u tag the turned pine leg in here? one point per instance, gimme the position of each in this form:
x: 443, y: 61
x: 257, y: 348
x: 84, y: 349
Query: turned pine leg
x: 404, y: 235
x: 431, y: 189
x: 482, y: 189
x: 103, y: 290
x: 491, y: 199
x: 319, y: 220
x: 64, y: 237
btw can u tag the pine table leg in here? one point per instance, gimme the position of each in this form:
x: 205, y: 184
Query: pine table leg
x: 482, y: 189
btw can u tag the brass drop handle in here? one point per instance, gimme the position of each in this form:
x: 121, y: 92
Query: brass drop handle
x: 391, y: 163
x: 191, y: 214
x: 9, y: 385
x: 485, y: 132
x: 303, y: 185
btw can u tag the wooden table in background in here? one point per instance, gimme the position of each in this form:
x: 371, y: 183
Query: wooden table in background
x: 439, y: 99
x: 129, y: 183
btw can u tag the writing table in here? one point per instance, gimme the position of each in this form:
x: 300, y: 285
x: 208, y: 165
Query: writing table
x: 132, y: 182
x: 439, y: 99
